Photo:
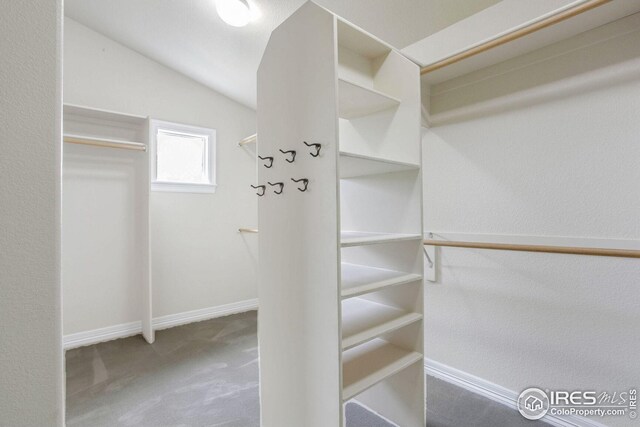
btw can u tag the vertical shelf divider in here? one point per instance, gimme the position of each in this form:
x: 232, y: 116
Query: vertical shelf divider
x: 299, y: 315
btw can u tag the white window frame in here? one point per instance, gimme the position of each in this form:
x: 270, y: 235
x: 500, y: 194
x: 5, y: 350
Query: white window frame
x: 180, y: 187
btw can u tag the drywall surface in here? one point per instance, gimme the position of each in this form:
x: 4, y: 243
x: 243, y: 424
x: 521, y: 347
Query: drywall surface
x: 199, y: 259
x: 542, y: 145
x: 31, y: 377
x: 102, y: 241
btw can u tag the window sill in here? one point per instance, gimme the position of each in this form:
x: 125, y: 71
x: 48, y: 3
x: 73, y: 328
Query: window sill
x: 174, y: 187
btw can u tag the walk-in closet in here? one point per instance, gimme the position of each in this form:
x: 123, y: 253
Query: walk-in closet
x: 326, y: 213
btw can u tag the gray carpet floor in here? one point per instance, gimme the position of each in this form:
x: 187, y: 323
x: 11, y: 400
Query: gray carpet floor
x: 206, y: 374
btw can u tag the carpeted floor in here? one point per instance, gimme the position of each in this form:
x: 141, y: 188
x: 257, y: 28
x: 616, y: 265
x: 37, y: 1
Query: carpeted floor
x: 206, y: 374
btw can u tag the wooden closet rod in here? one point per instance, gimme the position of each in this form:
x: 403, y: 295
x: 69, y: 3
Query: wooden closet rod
x: 102, y: 142
x: 621, y: 253
x: 514, y: 35
x: 248, y: 140
x: 247, y: 230
x: 570, y: 250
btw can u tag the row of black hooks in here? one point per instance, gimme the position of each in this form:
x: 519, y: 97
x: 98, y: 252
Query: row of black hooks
x: 280, y: 185
x: 292, y: 154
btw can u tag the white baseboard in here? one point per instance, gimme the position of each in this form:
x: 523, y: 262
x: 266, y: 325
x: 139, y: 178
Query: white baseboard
x: 95, y: 336
x: 178, y: 319
x: 109, y: 333
x: 497, y: 393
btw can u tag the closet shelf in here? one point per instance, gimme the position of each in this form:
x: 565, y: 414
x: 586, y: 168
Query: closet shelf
x: 356, y: 101
x: 359, y: 279
x: 96, y: 114
x: 364, y: 320
x: 355, y: 40
x: 360, y: 238
x: 353, y: 165
x: 366, y: 365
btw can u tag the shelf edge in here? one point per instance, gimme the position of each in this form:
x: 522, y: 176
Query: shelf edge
x: 352, y: 390
x: 381, y: 284
x: 376, y: 331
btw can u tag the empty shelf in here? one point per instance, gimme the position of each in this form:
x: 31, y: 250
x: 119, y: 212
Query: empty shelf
x: 359, y: 279
x: 359, y: 238
x: 355, y: 40
x: 366, y: 365
x: 364, y: 320
x: 352, y: 165
x: 103, y: 115
x: 357, y: 101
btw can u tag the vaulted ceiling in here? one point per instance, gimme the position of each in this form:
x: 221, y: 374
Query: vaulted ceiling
x: 189, y: 37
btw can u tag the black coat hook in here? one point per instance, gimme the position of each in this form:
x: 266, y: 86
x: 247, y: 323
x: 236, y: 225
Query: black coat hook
x: 267, y: 158
x: 281, y: 184
x: 304, y: 181
x: 263, y: 187
x: 293, y: 155
x: 318, y: 147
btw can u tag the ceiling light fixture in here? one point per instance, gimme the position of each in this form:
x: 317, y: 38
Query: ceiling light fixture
x: 234, y: 12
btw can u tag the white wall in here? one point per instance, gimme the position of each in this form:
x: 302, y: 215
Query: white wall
x: 103, y: 240
x: 199, y: 259
x: 31, y: 374
x: 543, y: 145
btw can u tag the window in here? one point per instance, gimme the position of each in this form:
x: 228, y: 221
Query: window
x: 183, y: 158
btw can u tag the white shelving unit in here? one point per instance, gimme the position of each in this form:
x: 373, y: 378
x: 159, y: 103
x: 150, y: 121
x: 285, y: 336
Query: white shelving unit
x: 354, y: 165
x: 373, y: 362
x: 364, y: 320
x: 341, y: 269
x: 100, y: 138
x: 361, y: 279
x: 359, y: 101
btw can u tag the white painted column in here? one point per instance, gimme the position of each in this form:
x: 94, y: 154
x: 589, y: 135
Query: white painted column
x: 31, y: 358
